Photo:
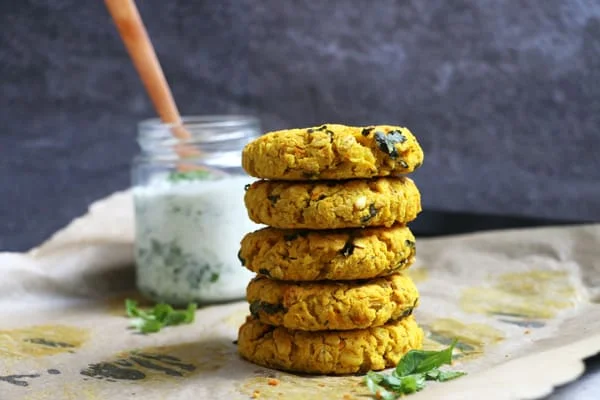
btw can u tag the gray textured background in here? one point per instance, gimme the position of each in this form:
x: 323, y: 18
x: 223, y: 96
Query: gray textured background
x: 503, y: 94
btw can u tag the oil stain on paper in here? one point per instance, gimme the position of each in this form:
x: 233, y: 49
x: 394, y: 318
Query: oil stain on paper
x: 279, y: 385
x: 532, y: 295
x: 68, y: 391
x: 42, y: 340
x: 19, y: 380
x: 472, y: 338
x: 159, y: 363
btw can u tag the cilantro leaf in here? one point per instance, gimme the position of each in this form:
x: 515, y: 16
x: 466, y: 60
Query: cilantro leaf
x: 412, y: 383
x: 153, y: 320
x: 433, y: 375
x: 411, y: 373
x: 372, y: 380
x: 131, y: 308
x: 449, y: 375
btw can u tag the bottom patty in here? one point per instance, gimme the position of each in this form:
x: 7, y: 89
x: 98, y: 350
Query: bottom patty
x: 327, y: 305
x: 328, y: 352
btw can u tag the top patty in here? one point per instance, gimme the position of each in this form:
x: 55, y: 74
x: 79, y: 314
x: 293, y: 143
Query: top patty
x: 333, y: 151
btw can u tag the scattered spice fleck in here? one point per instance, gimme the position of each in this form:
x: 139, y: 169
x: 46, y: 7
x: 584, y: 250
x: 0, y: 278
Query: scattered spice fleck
x: 255, y: 394
x: 273, y: 382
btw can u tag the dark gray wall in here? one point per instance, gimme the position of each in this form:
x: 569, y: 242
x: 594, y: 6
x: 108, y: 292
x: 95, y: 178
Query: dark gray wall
x: 503, y: 94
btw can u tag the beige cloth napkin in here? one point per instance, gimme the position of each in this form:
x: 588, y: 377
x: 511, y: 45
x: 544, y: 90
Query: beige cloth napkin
x: 523, y: 304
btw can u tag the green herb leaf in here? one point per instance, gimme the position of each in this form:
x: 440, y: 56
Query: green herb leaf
x: 449, y: 375
x: 371, y: 380
x: 416, y: 367
x: 189, y: 175
x: 412, y: 383
x: 433, y: 375
x: 161, y: 315
x: 375, y: 377
x: 131, y: 308
x: 416, y: 361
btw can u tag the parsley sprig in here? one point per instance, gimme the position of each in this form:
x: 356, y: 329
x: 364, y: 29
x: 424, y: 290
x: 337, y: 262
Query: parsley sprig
x: 411, y: 373
x: 156, y: 318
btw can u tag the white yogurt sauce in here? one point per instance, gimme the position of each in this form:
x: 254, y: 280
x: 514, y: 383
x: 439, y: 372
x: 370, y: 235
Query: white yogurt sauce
x: 187, y: 239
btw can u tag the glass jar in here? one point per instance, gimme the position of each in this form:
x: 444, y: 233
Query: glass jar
x: 189, y: 209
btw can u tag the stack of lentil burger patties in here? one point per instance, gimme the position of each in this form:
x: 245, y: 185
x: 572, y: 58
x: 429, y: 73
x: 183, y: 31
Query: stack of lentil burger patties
x: 330, y: 296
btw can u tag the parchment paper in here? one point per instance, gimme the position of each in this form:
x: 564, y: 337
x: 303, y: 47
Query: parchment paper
x: 523, y: 303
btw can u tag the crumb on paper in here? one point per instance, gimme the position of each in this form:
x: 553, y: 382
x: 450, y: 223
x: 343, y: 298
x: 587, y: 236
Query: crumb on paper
x: 347, y: 397
x: 321, y: 384
x: 273, y: 382
x: 255, y: 394
x: 527, y: 332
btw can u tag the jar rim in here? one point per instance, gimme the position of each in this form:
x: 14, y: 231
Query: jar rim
x: 228, y: 126
x: 200, y: 121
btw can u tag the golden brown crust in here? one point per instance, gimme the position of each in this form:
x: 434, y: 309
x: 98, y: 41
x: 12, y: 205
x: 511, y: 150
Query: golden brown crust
x: 332, y: 305
x: 328, y: 352
x: 343, y: 254
x: 333, y: 151
x: 333, y: 205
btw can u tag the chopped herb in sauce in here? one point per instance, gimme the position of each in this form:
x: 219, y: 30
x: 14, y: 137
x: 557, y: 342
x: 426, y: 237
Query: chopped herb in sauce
x: 199, y: 174
x: 183, y: 266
